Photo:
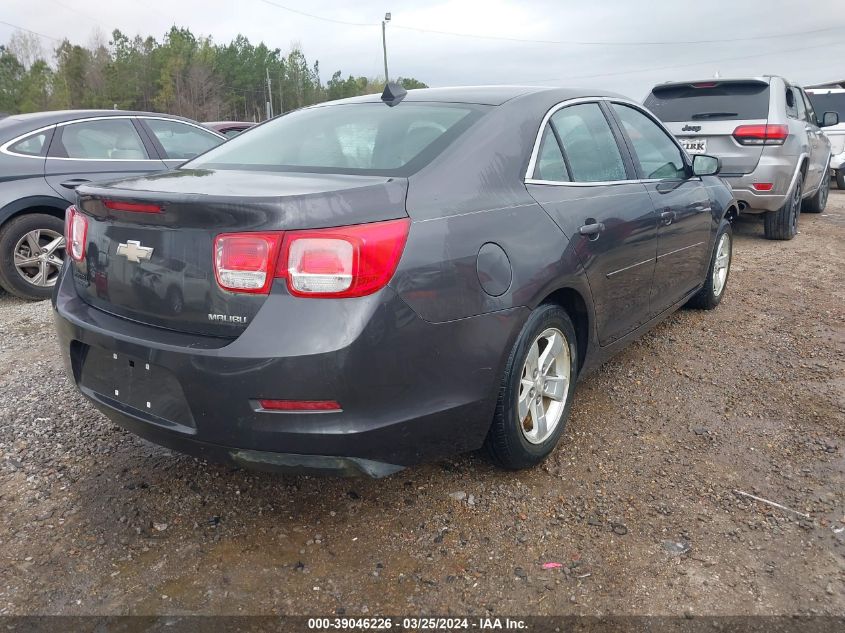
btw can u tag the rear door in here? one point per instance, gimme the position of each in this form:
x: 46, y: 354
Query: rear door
x: 704, y: 115
x: 96, y: 149
x: 586, y: 182
x: 680, y: 200
x: 177, y: 141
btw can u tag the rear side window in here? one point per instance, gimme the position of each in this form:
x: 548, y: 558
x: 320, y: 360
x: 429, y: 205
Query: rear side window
x: 589, y: 144
x: 181, y: 141
x: 711, y: 101
x: 657, y: 154
x: 33, y: 145
x: 104, y: 139
x: 354, y: 138
x: 550, y: 163
x: 831, y: 102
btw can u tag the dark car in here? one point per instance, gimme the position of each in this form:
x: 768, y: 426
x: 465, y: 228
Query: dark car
x: 228, y: 128
x: 391, y: 280
x: 45, y: 156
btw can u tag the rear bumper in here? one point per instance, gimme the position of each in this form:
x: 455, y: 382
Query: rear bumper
x: 410, y: 390
x: 772, y: 168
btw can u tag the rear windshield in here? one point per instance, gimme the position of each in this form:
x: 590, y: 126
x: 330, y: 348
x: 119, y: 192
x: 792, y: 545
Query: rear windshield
x: 709, y: 102
x: 831, y: 102
x: 352, y: 138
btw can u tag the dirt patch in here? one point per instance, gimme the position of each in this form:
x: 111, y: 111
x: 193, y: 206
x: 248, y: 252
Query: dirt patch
x: 750, y: 396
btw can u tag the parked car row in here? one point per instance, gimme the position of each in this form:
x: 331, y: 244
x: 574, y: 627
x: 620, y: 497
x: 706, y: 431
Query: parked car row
x: 365, y: 284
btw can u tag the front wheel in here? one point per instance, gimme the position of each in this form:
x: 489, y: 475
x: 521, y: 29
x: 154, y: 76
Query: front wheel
x: 536, y: 392
x: 713, y: 290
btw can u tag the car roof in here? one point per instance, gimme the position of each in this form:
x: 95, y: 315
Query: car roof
x: 60, y: 116
x: 481, y: 95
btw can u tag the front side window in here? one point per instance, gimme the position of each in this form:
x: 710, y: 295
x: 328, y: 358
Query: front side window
x: 657, y: 154
x: 589, y: 144
x: 104, y: 139
x: 181, y: 141
x: 33, y: 145
x: 355, y: 138
x: 550, y: 163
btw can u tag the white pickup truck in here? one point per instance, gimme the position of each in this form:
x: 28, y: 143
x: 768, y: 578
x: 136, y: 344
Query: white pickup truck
x: 833, y: 100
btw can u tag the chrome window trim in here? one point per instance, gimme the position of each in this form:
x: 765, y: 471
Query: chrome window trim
x: 532, y: 163
x: 5, y: 147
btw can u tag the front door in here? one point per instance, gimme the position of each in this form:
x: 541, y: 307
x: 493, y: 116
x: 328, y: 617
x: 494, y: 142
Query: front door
x: 681, y: 202
x: 582, y: 180
x: 104, y: 148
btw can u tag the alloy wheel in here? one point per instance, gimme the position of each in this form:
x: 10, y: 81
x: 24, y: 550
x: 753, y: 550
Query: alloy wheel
x: 544, y: 386
x: 721, y: 264
x: 39, y: 257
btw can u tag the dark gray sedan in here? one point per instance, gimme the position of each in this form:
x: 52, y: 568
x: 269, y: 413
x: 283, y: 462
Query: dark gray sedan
x: 46, y: 155
x: 362, y: 285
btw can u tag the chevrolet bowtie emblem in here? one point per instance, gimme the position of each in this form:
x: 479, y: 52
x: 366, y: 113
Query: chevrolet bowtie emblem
x: 134, y: 252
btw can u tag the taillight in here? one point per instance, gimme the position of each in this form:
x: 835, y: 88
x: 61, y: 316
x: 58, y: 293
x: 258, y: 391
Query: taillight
x: 76, y: 233
x: 349, y: 261
x: 761, y: 134
x: 243, y: 262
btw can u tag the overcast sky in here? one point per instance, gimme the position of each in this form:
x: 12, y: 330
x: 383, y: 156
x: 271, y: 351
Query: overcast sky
x: 599, y: 44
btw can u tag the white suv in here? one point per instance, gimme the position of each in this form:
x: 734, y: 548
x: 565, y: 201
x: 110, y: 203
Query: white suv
x: 833, y: 100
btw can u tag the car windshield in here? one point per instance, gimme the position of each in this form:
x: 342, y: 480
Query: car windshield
x: 352, y: 138
x: 710, y: 101
x: 830, y: 102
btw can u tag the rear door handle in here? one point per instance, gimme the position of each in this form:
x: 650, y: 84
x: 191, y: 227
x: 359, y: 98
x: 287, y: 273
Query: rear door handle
x: 73, y: 183
x: 591, y: 229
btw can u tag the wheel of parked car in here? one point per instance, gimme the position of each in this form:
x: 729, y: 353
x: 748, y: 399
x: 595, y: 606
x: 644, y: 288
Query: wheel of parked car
x: 818, y: 202
x: 713, y: 290
x: 840, y: 179
x: 32, y: 252
x: 783, y: 223
x: 536, y: 391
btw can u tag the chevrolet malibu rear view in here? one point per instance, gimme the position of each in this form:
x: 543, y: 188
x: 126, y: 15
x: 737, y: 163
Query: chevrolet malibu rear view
x: 363, y: 285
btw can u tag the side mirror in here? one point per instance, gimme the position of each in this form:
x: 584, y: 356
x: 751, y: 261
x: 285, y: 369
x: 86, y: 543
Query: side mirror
x: 829, y: 118
x: 704, y: 165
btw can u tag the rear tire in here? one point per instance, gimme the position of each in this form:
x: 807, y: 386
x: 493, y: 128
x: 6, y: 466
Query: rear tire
x: 783, y: 223
x: 26, y: 281
x: 516, y: 442
x: 818, y: 202
x: 714, y: 287
x: 840, y: 179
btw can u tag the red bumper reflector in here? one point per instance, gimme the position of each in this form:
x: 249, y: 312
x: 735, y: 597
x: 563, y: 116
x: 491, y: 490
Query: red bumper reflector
x: 299, y: 405
x: 135, y: 207
x: 763, y: 186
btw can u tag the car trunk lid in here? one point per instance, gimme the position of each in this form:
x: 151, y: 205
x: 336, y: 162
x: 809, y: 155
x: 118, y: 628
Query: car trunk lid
x: 149, y: 252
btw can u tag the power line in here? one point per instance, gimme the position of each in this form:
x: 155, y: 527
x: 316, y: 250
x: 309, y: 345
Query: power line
x: 317, y: 17
x: 675, y: 66
x: 15, y: 26
x: 616, y: 43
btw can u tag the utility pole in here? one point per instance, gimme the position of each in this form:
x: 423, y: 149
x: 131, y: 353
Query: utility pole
x: 269, y: 95
x: 384, y: 44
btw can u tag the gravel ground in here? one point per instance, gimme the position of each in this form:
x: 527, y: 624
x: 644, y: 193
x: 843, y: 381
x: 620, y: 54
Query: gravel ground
x: 637, y: 502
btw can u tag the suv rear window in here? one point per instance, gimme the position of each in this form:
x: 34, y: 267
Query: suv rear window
x: 831, y: 102
x: 710, y: 101
x: 352, y: 138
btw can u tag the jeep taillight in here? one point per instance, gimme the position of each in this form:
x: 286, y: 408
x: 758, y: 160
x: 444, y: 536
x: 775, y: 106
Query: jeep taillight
x: 76, y: 232
x: 761, y: 134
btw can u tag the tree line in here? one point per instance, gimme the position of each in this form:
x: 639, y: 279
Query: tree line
x: 182, y: 74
